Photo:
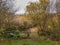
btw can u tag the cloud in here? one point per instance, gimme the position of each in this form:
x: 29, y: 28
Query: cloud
x: 18, y: 6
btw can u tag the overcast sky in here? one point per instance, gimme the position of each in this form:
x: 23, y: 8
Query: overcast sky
x: 53, y: 6
x: 19, y: 6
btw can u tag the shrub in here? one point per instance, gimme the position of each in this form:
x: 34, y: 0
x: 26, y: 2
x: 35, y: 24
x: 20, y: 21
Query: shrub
x: 49, y: 34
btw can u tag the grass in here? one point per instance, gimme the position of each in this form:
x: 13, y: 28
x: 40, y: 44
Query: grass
x: 35, y: 40
x: 29, y: 42
x: 26, y: 42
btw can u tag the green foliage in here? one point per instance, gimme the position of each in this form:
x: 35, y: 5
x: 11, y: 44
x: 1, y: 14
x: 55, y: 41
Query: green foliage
x: 13, y: 32
x: 10, y: 32
x: 52, y: 28
x: 49, y: 23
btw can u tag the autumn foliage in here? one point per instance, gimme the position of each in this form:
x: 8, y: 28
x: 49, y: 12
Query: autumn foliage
x: 37, y: 15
